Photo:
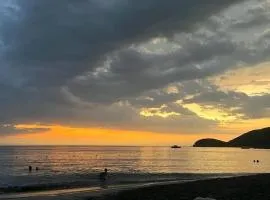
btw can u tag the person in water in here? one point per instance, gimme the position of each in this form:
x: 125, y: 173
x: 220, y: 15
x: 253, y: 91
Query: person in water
x: 103, y: 175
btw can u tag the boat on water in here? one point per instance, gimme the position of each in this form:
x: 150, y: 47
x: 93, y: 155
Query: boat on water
x: 175, y: 147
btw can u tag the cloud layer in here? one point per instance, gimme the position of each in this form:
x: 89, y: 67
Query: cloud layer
x: 9, y: 129
x: 127, y: 64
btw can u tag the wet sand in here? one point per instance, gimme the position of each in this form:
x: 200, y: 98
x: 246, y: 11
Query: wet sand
x: 79, y: 193
x: 254, y: 187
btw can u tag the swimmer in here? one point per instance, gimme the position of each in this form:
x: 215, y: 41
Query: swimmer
x: 103, y: 175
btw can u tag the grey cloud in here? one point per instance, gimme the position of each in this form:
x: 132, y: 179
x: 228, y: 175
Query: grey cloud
x: 126, y: 117
x: 155, y: 98
x: 177, y: 124
x: 47, y: 46
x: 200, y: 56
x: 26, y: 105
x: 204, y: 52
x: 57, y: 40
x: 237, y: 103
x: 229, y: 98
x: 257, y: 15
x: 9, y: 129
x: 256, y: 107
x: 131, y: 72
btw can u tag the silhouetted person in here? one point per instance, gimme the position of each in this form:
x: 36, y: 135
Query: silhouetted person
x: 103, y: 175
x: 30, y: 168
x: 258, y: 161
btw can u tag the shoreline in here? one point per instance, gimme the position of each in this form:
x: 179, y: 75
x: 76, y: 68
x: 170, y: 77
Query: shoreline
x: 184, y: 189
x: 250, y: 187
x: 95, y: 191
x: 115, y: 179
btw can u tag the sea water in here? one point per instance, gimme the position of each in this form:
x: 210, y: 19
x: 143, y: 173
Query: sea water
x: 75, y: 166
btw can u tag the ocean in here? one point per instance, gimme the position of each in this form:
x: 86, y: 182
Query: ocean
x: 79, y: 166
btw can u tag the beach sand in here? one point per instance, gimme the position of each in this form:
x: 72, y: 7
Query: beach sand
x: 254, y: 187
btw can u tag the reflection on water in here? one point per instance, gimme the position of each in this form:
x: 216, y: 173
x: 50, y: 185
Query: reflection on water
x: 86, y: 160
x: 73, y: 159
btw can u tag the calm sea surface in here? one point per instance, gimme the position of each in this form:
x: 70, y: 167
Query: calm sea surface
x: 79, y: 165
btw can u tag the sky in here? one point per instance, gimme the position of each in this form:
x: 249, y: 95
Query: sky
x: 125, y: 72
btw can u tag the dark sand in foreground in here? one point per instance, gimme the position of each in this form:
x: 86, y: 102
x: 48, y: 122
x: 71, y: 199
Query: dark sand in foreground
x: 255, y: 187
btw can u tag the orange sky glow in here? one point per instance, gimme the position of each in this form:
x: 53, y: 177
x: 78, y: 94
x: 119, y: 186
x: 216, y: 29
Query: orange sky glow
x: 60, y: 135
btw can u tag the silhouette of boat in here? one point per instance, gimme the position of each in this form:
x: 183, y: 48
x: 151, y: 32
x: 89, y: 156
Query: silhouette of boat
x: 175, y: 147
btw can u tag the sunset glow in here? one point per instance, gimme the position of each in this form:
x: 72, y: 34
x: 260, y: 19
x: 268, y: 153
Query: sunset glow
x: 97, y: 136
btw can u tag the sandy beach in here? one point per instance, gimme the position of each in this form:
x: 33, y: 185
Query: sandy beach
x: 253, y: 187
x: 96, y: 192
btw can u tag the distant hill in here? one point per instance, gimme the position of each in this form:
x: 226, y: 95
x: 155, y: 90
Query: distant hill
x: 254, y: 139
x: 208, y: 142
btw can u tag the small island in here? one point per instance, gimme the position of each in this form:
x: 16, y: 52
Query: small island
x: 259, y: 139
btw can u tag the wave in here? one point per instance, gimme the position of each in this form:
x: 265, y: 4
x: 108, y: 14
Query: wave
x: 40, y: 183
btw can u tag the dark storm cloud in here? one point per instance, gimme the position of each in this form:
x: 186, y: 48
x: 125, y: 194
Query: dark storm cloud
x: 54, y: 53
x: 209, y: 50
x: 48, y: 43
x: 132, y: 72
x: 56, y: 40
